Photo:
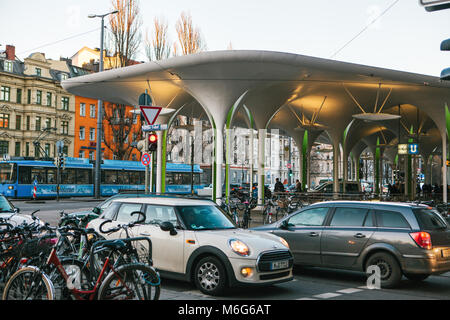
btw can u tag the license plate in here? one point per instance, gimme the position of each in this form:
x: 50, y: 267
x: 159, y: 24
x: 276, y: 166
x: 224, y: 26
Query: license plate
x: 280, y: 265
x: 446, y: 253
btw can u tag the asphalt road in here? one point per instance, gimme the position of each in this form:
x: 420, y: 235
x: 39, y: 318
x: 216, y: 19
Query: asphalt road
x: 308, y: 283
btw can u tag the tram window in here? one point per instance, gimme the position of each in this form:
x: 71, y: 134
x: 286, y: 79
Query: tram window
x: 82, y: 176
x: 68, y: 176
x: 169, y: 179
x: 134, y: 177
x: 123, y: 177
x: 24, y: 175
x: 142, y: 177
x: 38, y: 174
x: 110, y: 177
x: 51, y: 176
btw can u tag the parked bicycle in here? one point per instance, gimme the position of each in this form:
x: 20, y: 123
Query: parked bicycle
x: 124, y: 274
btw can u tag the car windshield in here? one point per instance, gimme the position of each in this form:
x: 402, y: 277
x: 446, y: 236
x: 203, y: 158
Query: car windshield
x: 5, y: 205
x: 205, y: 217
x: 429, y: 219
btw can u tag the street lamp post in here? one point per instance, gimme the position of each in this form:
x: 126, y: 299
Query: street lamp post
x: 98, y: 146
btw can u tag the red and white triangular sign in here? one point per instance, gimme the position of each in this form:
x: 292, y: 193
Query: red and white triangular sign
x: 150, y: 113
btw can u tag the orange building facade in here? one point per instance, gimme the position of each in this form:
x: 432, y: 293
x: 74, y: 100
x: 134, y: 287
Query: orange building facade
x: 85, y: 141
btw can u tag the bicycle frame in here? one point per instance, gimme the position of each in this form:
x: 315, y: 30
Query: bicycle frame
x: 78, y: 294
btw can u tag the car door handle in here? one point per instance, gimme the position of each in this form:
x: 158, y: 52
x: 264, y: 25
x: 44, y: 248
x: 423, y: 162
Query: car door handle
x: 313, y: 234
x: 145, y: 234
x: 359, y: 235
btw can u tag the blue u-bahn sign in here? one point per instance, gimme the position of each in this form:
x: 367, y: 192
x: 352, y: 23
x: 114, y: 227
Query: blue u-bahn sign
x: 413, y: 148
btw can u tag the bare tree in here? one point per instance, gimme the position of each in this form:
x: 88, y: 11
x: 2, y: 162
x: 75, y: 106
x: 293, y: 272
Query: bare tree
x: 189, y: 37
x: 125, y: 35
x: 122, y: 126
x: 158, y: 47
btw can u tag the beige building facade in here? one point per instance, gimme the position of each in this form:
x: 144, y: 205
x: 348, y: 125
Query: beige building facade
x: 35, y: 112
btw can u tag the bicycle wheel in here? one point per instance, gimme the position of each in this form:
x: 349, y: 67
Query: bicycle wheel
x: 131, y: 282
x: 29, y: 283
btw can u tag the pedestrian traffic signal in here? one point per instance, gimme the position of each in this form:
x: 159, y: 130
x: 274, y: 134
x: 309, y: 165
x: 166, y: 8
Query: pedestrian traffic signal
x: 152, y: 141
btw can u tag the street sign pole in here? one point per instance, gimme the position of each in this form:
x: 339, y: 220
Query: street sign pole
x: 147, y: 169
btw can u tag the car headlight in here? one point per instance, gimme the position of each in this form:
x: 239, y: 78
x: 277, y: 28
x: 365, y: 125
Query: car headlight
x: 284, y: 242
x: 239, y: 247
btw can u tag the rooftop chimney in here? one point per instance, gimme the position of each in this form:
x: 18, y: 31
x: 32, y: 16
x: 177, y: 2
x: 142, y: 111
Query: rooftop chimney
x: 10, y: 52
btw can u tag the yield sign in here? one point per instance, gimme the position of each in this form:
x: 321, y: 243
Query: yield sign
x: 150, y: 113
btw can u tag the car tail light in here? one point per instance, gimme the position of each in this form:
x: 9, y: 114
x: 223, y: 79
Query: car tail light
x: 423, y: 239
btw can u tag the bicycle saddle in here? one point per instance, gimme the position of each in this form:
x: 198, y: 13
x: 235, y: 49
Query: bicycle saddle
x: 115, y: 244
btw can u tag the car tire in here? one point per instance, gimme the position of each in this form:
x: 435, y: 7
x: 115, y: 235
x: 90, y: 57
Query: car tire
x: 416, y: 276
x: 390, y: 270
x: 210, y: 276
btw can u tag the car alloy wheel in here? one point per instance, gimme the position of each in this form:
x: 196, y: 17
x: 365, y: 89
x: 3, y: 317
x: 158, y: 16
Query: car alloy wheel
x: 210, y: 277
x: 385, y: 269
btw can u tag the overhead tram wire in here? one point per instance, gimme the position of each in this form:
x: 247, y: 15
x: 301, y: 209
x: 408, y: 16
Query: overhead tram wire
x: 58, y: 41
x: 365, y: 28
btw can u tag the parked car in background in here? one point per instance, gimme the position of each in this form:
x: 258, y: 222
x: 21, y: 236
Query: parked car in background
x: 400, y: 238
x: 328, y: 187
x: 194, y: 240
x: 11, y: 214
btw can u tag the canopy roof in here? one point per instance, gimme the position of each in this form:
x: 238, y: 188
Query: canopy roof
x: 282, y: 90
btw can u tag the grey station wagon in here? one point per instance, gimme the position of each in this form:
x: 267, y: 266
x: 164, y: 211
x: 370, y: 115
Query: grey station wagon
x: 399, y: 238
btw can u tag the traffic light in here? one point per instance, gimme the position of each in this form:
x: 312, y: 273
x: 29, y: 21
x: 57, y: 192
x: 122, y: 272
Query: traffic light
x: 290, y: 172
x: 152, y: 141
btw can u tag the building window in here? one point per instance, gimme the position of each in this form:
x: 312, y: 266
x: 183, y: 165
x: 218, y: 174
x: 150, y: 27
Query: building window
x: 17, y: 149
x: 92, y: 110
x: 82, y: 109
x: 82, y: 134
x: 38, y: 123
x: 64, y: 127
x: 64, y: 76
x: 65, y: 103
x: 28, y: 122
x: 47, y: 149
x: 48, y: 123
x: 49, y: 99
x: 19, y: 96
x: 27, y: 149
x: 81, y: 154
x: 18, y: 122
x: 66, y: 150
x: 92, y: 134
x: 8, y: 67
x: 4, y: 147
x: 29, y: 96
x: 5, y: 93
x: 38, y: 97
x: 4, y: 120
x: 38, y: 72
x: 91, y: 155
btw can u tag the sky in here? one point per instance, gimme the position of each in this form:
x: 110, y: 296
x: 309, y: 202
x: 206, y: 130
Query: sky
x: 405, y: 37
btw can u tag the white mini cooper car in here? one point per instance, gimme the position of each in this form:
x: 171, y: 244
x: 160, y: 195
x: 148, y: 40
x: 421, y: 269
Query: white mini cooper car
x: 194, y: 240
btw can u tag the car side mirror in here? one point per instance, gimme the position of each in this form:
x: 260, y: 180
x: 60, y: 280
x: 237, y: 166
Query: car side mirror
x: 168, y: 226
x: 16, y: 210
x: 96, y: 210
x: 284, y: 225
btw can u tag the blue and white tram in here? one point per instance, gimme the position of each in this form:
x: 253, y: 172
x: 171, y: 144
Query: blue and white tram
x: 17, y: 178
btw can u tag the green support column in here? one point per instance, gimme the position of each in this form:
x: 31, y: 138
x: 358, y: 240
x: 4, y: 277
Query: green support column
x: 305, y: 160
x: 163, y: 155
x: 377, y: 167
